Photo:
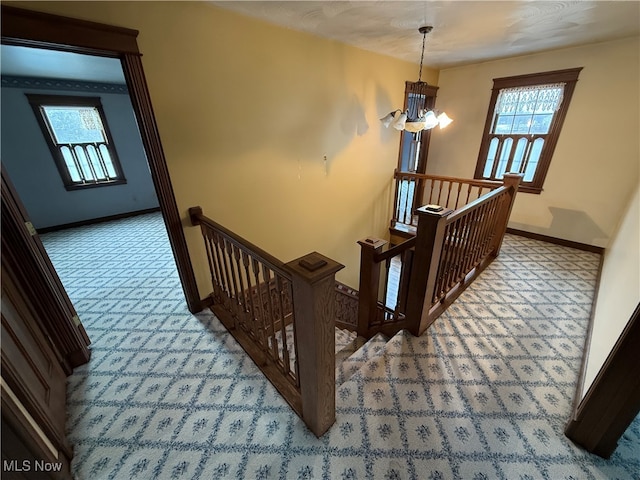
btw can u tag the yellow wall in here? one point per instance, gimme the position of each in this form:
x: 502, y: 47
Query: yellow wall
x: 595, y: 165
x: 619, y: 291
x: 247, y: 112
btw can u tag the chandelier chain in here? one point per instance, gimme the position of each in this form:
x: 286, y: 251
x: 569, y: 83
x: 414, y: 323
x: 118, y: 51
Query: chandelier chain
x: 424, y: 37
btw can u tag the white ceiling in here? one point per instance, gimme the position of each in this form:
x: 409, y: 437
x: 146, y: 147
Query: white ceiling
x: 464, y: 31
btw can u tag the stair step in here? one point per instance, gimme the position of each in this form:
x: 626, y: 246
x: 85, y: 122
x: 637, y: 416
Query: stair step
x: 344, y: 339
x: 350, y: 365
x: 347, y: 342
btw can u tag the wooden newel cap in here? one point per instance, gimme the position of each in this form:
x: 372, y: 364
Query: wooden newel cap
x: 432, y: 210
x: 372, y: 242
x: 314, y: 266
x: 194, y: 214
x: 312, y: 262
x: 512, y: 178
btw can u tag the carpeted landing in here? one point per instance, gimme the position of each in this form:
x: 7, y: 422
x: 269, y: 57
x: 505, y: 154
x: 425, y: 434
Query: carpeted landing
x: 483, y: 394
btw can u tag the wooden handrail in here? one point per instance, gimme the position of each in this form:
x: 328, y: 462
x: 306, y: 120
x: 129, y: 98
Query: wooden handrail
x: 466, y: 181
x: 197, y: 218
x: 477, y: 203
x: 447, y: 260
x: 450, y: 248
x: 276, y: 310
x: 416, y: 189
x: 395, y: 250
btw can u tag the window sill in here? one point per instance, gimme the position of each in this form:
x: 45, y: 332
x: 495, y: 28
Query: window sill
x: 84, y: 186
x: 529, y: 189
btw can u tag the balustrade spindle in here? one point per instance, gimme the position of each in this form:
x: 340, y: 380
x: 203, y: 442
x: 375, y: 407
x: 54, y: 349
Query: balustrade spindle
x: 268, y: 298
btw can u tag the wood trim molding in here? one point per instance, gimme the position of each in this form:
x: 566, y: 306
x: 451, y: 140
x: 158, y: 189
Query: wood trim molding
x: 44, y: 30
x: 558, y: 241
x: 587, y: 340
x: 93, y: 221
x: 613, y: 400
x: 36, y: 29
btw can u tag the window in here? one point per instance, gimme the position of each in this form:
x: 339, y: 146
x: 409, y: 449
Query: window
x: 523, y: 124
x: 414, y: 147
x: 78, y: 136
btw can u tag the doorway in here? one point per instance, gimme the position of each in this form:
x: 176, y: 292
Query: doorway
x: 26, y: 28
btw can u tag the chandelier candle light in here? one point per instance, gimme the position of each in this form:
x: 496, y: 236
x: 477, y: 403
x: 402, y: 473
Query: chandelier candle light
x: 426, y: 119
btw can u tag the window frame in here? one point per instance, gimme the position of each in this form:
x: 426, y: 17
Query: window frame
x: 37, y: 101
x: 569, y: 77
x: 418, y: 142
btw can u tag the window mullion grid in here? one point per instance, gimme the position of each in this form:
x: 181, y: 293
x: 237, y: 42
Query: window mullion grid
x: 85, y: 152
x: 514, y: 147
x: 496, y: 160
x: 527, y: 155
x: 103, y: 166
x: 76, y: 160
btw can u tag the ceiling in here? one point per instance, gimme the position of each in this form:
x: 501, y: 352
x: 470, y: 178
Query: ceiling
x: 464, y: 31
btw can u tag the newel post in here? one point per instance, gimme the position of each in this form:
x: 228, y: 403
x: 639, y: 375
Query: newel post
x: 429, y: 240
x: 369, y: 283
x: 194, y: 215
x: 314, y: 304
x: 509, y: 180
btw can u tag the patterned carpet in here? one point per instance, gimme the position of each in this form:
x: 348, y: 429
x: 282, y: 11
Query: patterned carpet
x: 483, y: 394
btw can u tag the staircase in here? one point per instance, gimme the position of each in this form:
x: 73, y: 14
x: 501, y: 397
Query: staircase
x: 353, y: 357
x: 371, y: 375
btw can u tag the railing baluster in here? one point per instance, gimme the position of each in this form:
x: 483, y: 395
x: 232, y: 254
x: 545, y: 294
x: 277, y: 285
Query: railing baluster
x: 439, y: 191
x: 208, y: 248
x: 243, y: 299
x: 267, y: 297
x: 224, y: 282
x: 457, y: 195
x: 448, y: 194
x: 464, y: 224
x: 468, y: 194
x: 432, y: 184
x: 255, y: 266
x: 268, y: 324
x: 475, y: 238
x: 236, y: 302
x: 406, y: 264
x: 406, y: 209
x: 385, y: 289
x: 283, y: 331
x: 253, y: 310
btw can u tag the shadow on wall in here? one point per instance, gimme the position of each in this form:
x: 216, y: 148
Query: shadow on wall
x: 573, y: 225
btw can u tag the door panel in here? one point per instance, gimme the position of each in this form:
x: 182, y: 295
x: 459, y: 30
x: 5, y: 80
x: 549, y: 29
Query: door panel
x: 23, y: 254
x: 29, y: 365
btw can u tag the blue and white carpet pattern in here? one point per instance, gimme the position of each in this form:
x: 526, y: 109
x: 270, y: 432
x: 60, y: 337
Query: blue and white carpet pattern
x: 484, y: 394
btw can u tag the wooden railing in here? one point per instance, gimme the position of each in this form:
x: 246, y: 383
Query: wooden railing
x: 426, y: 273
x: 276, y: 310
x: 416, y: 189
x: 383, y: 293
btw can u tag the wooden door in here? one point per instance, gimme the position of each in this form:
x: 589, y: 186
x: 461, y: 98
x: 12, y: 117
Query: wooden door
x: 41, y: 343
x: 33, y: 382
x: 25, y: 257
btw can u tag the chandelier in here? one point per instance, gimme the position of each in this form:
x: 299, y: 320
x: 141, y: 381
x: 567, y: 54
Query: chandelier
x: 425, y: 119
